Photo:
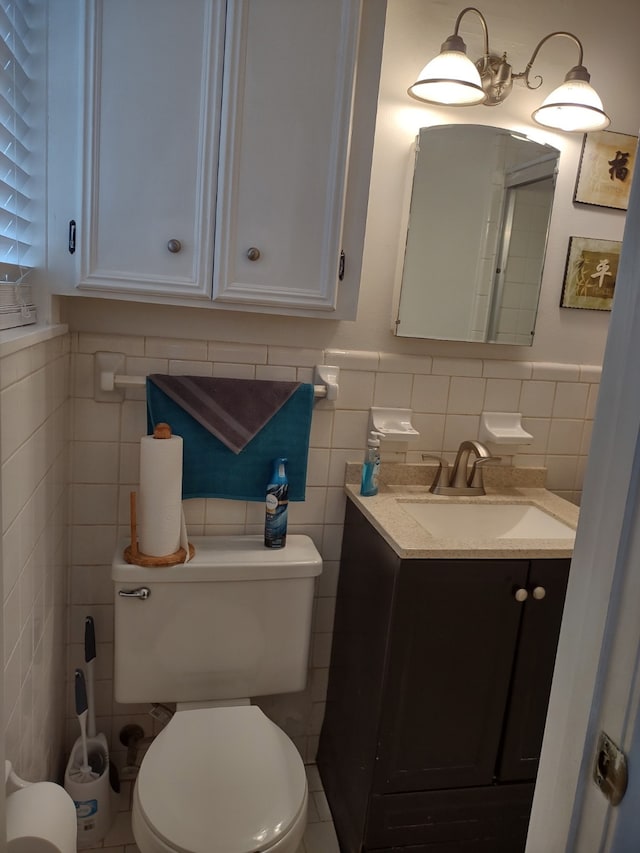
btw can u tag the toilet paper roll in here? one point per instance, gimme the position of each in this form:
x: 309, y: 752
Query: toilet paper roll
x: 160, y: 502
x: 41, y: 819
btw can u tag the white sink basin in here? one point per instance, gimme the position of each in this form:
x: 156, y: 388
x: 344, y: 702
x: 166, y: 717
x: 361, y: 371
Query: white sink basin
x: 487, y: 521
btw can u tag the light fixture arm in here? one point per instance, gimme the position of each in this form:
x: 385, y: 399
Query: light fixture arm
x: 455, y: 42
x: 577, y: 72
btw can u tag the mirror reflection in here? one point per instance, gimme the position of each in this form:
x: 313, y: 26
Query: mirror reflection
x: 480, y: 208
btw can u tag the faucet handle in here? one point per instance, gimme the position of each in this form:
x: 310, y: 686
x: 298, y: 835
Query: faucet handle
x: 442, y: 474
x: 476, y: 479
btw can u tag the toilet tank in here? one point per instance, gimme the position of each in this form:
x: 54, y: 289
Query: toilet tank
x: 234, y: 622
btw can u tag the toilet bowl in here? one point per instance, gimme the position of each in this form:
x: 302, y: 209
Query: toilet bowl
x: 220, y: 780
x: 233, y: 622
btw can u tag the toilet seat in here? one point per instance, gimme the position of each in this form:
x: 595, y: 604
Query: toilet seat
x: 221, y: 780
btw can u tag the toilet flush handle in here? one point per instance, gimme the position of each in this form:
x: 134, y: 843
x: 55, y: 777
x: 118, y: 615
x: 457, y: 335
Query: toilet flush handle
x: 142, y: 593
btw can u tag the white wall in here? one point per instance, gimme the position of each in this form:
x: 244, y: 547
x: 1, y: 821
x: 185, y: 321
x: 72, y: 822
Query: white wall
x: 415, y: 29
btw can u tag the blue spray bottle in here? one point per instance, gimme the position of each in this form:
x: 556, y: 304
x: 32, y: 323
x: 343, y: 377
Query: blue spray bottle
x: 277, y: 504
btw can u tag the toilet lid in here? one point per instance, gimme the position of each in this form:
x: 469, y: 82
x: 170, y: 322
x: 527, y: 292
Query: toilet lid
x: 221, y: 779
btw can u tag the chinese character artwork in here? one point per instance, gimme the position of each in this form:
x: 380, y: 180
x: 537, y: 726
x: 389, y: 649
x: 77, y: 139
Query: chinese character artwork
x: 606, y: 169
x: 591, y: 272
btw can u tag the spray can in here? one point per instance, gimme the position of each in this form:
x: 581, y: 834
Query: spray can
x: 276, y: 506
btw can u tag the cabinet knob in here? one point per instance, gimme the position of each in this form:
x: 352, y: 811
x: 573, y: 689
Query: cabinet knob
x: 539, y: 593
x: 174, y: 246
x: 521, y: 594
x: 253, y: 254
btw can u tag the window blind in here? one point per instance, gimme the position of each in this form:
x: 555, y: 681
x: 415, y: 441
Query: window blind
x: 15, y: 225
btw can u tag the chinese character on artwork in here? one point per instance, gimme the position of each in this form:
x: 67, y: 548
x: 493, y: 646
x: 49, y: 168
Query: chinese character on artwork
x: 618, y: 165
x: 590, y: 275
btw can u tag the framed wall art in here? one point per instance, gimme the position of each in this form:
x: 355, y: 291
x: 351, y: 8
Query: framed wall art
x: 606, y: 169
x: 590, y: 274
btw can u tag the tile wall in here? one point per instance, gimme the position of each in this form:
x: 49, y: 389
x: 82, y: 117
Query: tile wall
x: 34, y: 426
x: 447, y: 395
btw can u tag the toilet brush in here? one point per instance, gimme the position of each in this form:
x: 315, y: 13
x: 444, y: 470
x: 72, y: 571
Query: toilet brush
x: 82, y: 772
x: 89, y: 658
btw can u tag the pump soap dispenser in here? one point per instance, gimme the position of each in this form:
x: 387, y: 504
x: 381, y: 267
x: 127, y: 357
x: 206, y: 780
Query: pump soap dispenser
x: 371, y: 465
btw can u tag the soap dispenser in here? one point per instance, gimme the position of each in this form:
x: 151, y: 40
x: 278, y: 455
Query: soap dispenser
x: 371, y: 465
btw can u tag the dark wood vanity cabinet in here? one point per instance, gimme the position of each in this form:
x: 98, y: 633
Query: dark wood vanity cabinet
x: 437, y: 697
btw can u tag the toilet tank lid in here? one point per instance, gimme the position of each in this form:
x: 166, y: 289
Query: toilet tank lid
x: 228, y: 558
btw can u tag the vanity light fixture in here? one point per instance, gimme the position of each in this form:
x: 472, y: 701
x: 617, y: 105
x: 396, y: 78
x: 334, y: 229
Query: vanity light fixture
x: 452, y: 79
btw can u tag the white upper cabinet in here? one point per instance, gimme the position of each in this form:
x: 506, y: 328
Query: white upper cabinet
x: 218, y: 139
x: 154, y: 85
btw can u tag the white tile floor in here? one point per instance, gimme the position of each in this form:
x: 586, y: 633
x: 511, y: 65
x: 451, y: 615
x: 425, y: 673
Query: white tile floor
x: 319, y: 837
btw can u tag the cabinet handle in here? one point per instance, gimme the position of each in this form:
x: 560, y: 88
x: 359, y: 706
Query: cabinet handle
x: 174, y: 246
x: 253, y: 254
x: 539, y: 593
x: 521, y: 594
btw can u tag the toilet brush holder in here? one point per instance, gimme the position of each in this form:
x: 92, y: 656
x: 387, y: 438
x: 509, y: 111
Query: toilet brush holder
x: 92, y: 792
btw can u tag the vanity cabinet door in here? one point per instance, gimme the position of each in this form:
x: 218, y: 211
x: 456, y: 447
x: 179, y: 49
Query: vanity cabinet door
x: 533, y: 670
x: 153, y: 90
x: 451, y: 651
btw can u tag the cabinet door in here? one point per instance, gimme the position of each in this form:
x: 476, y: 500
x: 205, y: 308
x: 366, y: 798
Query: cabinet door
x: 451, y: 651
x: 533, y: 670
x: 289, y: 75
x: 154, y: 70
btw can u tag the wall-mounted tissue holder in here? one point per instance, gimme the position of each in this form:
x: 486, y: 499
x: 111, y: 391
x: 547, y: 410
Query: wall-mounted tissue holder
x: 109, y: 383
x: 503, y: 428
x: 393, y: 424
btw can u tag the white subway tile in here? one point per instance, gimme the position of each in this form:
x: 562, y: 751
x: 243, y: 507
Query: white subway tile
x: 145, y: 366
x: 94, y: 504
x: 352, y: 359
x: 393, y: 389
x: 126, y: 344
x: 95, y: 421
x: 350, y: 429
x: 311, y: 510
x: 397, y: 363
x: 539, y: 429
x: 457, y: 366
x: 507, y: 369
x: 276, y: 372
x: 466, y: 396
x: 129, y: 467
x: 592, y: 401
x: 430, y: 394
x: 92, y: 544
x: 570, y: 400
x: 294, y: 356
x: 91, y: 585
x: 356, y: 389
x: 335, y: 505
x: 181, y: 367
x: 173, y: 348
x: 94, y: 461
x: 431, y: 429
x: 590, y: 373
x: 318, y: 467
x: 585, y: 444
x: 556, y: 372
x: 459, y: 428
x: 331, y: 542
x: 83, y: 370
x: 537, y: 398
x: 321, y: 428
x: 226, y: 370
x: 502, y: 395
x: 237, y: 353
x: 221, y: 511
x: 561, y: 472
x: 134, y: 420
x: 565, y: 437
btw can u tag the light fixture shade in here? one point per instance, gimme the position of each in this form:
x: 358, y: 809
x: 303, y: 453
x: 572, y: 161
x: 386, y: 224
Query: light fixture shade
x: 573, y: 106
x: 450, y: 78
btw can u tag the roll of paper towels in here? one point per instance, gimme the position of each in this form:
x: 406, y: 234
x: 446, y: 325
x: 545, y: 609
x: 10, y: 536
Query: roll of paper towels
x: 160, y: 503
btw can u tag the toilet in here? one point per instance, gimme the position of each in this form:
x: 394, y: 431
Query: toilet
x: 232, y: 624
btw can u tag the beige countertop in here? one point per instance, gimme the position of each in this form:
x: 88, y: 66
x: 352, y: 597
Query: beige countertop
x: 410, y: 540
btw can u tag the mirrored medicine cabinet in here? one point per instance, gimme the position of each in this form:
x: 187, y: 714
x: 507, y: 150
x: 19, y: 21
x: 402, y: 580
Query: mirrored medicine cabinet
x: 479, y: 216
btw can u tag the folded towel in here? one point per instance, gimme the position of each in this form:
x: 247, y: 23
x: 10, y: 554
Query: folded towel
x: 212, y: 470
x: 234, y: 411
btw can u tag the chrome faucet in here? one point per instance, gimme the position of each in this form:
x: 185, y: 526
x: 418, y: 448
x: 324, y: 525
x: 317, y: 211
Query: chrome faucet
x: 462, y: 480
